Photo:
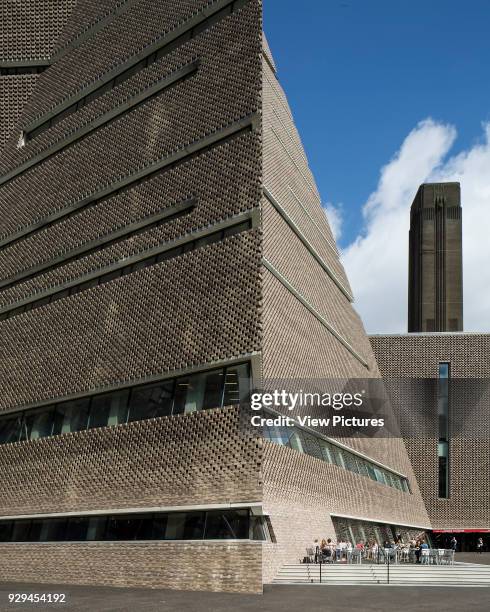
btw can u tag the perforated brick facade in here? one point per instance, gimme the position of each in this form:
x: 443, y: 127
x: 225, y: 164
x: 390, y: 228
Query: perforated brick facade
x: 416, y: 357
x: 326, y: 340
x: 110, y: 141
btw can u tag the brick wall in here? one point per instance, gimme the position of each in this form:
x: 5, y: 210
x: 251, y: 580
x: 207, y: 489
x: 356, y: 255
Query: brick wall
x: 210, y: 566
x: 201, y: 458
x: 301, y: 491
x: 409, y: 363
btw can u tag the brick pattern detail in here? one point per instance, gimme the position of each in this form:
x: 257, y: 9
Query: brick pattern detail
x: 417, y: 357
x: 218, y: 194
x: 287, y: 174
x: 31, y: 28
x: 301, y: 491
x: 15, y: 90
x: 138, y: 325
x: 202, y: 566
x: 205, y: 457
x: 302, y: 271
x: 127, y: 35
x: 85, y: 15
x: 224, y: 89
x: 297, y: 346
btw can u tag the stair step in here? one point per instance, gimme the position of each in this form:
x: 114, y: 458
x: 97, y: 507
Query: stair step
x: 400, y: 574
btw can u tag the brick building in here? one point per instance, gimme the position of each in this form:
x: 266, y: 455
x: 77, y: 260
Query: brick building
x: 163, y: 247
x: 435, y: 262
x: 439, y: 387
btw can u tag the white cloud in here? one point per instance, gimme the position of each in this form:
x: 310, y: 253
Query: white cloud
x: 377, y: 261
x: 334, y: 214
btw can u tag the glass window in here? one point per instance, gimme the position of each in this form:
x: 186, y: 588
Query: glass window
x: 96, y: 528
x: 71, y: 416
x: 159, y: 527
x: 371, y: 472
x: 443, y: 455
x: 20, y: 532
x: 296, y: 439
x: 228, y: 524
x: 6, y: 530
x: 213, y: 391
x: 258, y: 529
x: 326, y: 451
x: 311, y: 445
x: 10, y: 428
x: 350, y: 461
x: 237, y: 385
x: 35, y: 531
x: 38, y: 424
x: 76, y: 528
x: 129, y: 527
x: 379, y: 475
x: 60, y: 295
x: 362, y: 466
x: 151, y: 401
x: 198, y: 392
x: 109, y: 409
x: 280, y: 435
x: 338, y: 454
x: 53, y: 529
x: 185, y: 526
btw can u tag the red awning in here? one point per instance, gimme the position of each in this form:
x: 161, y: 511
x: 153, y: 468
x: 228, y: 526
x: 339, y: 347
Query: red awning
x: 461, y: 530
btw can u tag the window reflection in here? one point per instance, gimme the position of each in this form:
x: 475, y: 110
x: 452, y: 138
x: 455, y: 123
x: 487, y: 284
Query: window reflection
x: 229, y: 524
x: 306, y: 442
x: 201, y: 391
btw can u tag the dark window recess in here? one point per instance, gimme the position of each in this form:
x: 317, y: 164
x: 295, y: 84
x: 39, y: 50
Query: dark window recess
x: 12, y: 70
x: 180, y: 395
x: 135, y: 68
x: 227, y: 524
x: 144, y: 263
x: 443, y: 421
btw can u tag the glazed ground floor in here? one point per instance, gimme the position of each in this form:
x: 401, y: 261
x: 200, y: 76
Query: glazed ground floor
x: 466, y: 539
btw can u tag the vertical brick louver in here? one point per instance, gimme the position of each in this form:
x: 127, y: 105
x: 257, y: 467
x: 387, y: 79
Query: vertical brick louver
x: 145, y: 106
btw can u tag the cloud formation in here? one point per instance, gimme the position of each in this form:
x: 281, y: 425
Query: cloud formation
x: 377, y: 260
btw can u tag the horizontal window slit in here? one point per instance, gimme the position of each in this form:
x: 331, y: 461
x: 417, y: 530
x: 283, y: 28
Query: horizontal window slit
x: 169, y: 397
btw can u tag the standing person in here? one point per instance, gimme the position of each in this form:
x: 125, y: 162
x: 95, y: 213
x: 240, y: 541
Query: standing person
x: 418, y: 543
x: 454, y: 544
x: 338, y: 549
x: 316, y: 549
x: 424, y: 552
x: 348, y: 549
x: 479, y: 545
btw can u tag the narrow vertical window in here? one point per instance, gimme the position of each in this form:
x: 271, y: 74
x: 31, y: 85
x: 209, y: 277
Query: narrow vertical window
x: 443, y: 425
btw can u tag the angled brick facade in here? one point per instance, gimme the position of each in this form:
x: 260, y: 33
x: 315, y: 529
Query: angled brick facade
x: 169, y: 111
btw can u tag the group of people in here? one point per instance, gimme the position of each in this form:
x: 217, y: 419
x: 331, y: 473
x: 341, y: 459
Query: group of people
x: 329, y: 551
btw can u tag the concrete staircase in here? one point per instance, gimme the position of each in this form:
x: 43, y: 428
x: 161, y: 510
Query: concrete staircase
x: 460, y: 574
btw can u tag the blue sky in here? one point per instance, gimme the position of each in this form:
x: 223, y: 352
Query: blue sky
x: 361, y: 74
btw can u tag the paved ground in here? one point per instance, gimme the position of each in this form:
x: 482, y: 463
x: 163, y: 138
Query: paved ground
x: 276, y: 598
x: 471, y: 557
